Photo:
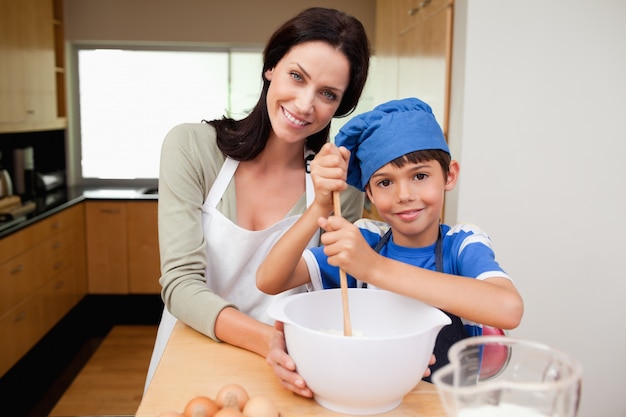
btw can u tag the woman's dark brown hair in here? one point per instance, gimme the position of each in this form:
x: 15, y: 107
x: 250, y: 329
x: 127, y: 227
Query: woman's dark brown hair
x: 245, y: 139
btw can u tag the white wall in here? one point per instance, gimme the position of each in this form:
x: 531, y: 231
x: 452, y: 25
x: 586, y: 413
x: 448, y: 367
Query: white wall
x: 537, y: 122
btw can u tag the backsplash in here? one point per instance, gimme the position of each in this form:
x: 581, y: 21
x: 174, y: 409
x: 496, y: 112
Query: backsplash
x: 48, y: 153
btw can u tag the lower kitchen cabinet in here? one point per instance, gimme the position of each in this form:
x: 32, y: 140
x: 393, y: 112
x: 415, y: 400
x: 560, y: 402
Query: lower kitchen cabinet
x: 42, y: 277
x: 122, y: 247
x: 107, y: 259
x: 144, y: 262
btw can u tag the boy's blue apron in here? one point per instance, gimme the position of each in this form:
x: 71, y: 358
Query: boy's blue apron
x: 451, y: 333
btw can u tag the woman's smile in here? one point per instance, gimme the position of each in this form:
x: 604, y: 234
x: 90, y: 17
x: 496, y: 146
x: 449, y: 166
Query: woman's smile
x: 294, y: 119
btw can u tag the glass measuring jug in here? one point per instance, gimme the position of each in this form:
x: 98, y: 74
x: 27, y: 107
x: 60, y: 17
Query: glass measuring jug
x: 498, y: 376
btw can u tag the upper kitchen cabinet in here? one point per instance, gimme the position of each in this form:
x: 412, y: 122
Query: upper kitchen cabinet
x: 59, y: 57
x: 413, y: 51
x: 28, y: 66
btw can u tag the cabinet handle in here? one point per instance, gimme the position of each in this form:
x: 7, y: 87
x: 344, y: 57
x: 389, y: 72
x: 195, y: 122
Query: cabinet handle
x: 59, y: 284
x: 21, y: 316
x: 58, y: 265
x: 56, y: 225
x: 110, y: 211
x: 17, y: 269
x: 57, y: 245
x: 414, y: 10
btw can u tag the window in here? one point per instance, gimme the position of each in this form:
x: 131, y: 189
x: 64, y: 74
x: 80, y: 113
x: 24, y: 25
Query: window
x: 128, y: 99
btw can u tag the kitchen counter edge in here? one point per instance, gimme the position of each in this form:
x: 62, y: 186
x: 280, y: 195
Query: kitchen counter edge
x: 76, y: 195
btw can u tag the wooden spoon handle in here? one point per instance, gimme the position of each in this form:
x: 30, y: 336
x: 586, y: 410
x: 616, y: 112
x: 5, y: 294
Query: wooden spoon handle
x: 343, y: 279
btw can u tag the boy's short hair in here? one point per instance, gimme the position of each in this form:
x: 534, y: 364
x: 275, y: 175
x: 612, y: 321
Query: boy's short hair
x: 416, y: 157
x: 391, y: 130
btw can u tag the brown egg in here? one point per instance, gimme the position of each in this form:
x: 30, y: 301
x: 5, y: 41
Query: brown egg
x: 232, y: 395
x: 260, y: 406
x: 200, y: 406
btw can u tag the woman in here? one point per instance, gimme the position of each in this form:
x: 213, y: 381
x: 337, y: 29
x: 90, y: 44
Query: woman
x: 229, y: 189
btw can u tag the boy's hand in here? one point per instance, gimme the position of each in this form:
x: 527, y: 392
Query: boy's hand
x: 329, y: 171
x: 345, y: 247
x: 283, y: 365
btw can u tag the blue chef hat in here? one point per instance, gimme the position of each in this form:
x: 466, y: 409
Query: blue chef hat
x: 391, y: 130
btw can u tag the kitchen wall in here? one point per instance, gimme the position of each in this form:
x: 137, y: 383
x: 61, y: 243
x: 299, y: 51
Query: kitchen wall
x: 538, y: 102
x: 205, y: 21
x: 238, y: 23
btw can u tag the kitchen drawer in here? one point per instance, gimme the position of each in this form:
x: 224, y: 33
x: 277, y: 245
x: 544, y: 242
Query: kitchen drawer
x: 58, y: 296
x: 19, y: 242
x: 22, y: 275
x: 42, y: 276
x: 20, y: 329
x: 57, y: 253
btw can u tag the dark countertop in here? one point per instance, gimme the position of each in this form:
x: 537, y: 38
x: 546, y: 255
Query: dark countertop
x: 60, y: 199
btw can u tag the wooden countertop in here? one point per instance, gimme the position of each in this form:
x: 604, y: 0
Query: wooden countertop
x: 195, y: 365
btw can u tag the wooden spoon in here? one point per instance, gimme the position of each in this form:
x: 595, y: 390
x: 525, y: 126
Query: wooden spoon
x: 343, y: 279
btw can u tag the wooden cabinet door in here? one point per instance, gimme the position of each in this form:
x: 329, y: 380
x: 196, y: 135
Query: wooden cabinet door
x: 413, y: 52
x: 107, y: 259
x: 39, y: 69
x: 28, y: 91
x: 20, y: 330
x: 144, y: 267
x: 12, y: 98
x: 424, y: 55
x: 79, y: 260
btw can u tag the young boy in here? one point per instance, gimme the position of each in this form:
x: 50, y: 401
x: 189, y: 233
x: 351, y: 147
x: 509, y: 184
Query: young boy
x: 399, y: 157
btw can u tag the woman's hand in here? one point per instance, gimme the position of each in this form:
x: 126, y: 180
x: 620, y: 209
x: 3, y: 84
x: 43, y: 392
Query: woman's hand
x: 282, y: 364
x: 329, y: 171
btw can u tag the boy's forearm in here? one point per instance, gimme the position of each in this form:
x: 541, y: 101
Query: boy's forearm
x: 277, y: 273
x: 494, y: 301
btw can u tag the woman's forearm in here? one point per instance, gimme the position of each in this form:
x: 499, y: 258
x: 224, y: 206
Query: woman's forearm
x: 238, y: 329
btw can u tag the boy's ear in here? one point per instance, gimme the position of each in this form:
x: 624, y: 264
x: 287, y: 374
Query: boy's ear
x: 368, y: 192
x: 453, y: 175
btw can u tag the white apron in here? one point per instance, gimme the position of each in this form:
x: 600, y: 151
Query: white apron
x: 240, y: 252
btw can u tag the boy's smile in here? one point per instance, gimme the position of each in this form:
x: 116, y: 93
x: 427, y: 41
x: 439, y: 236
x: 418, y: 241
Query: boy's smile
x: 409, y: 215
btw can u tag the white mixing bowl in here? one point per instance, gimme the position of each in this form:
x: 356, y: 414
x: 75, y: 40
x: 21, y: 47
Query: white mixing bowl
x: 371, y: 371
